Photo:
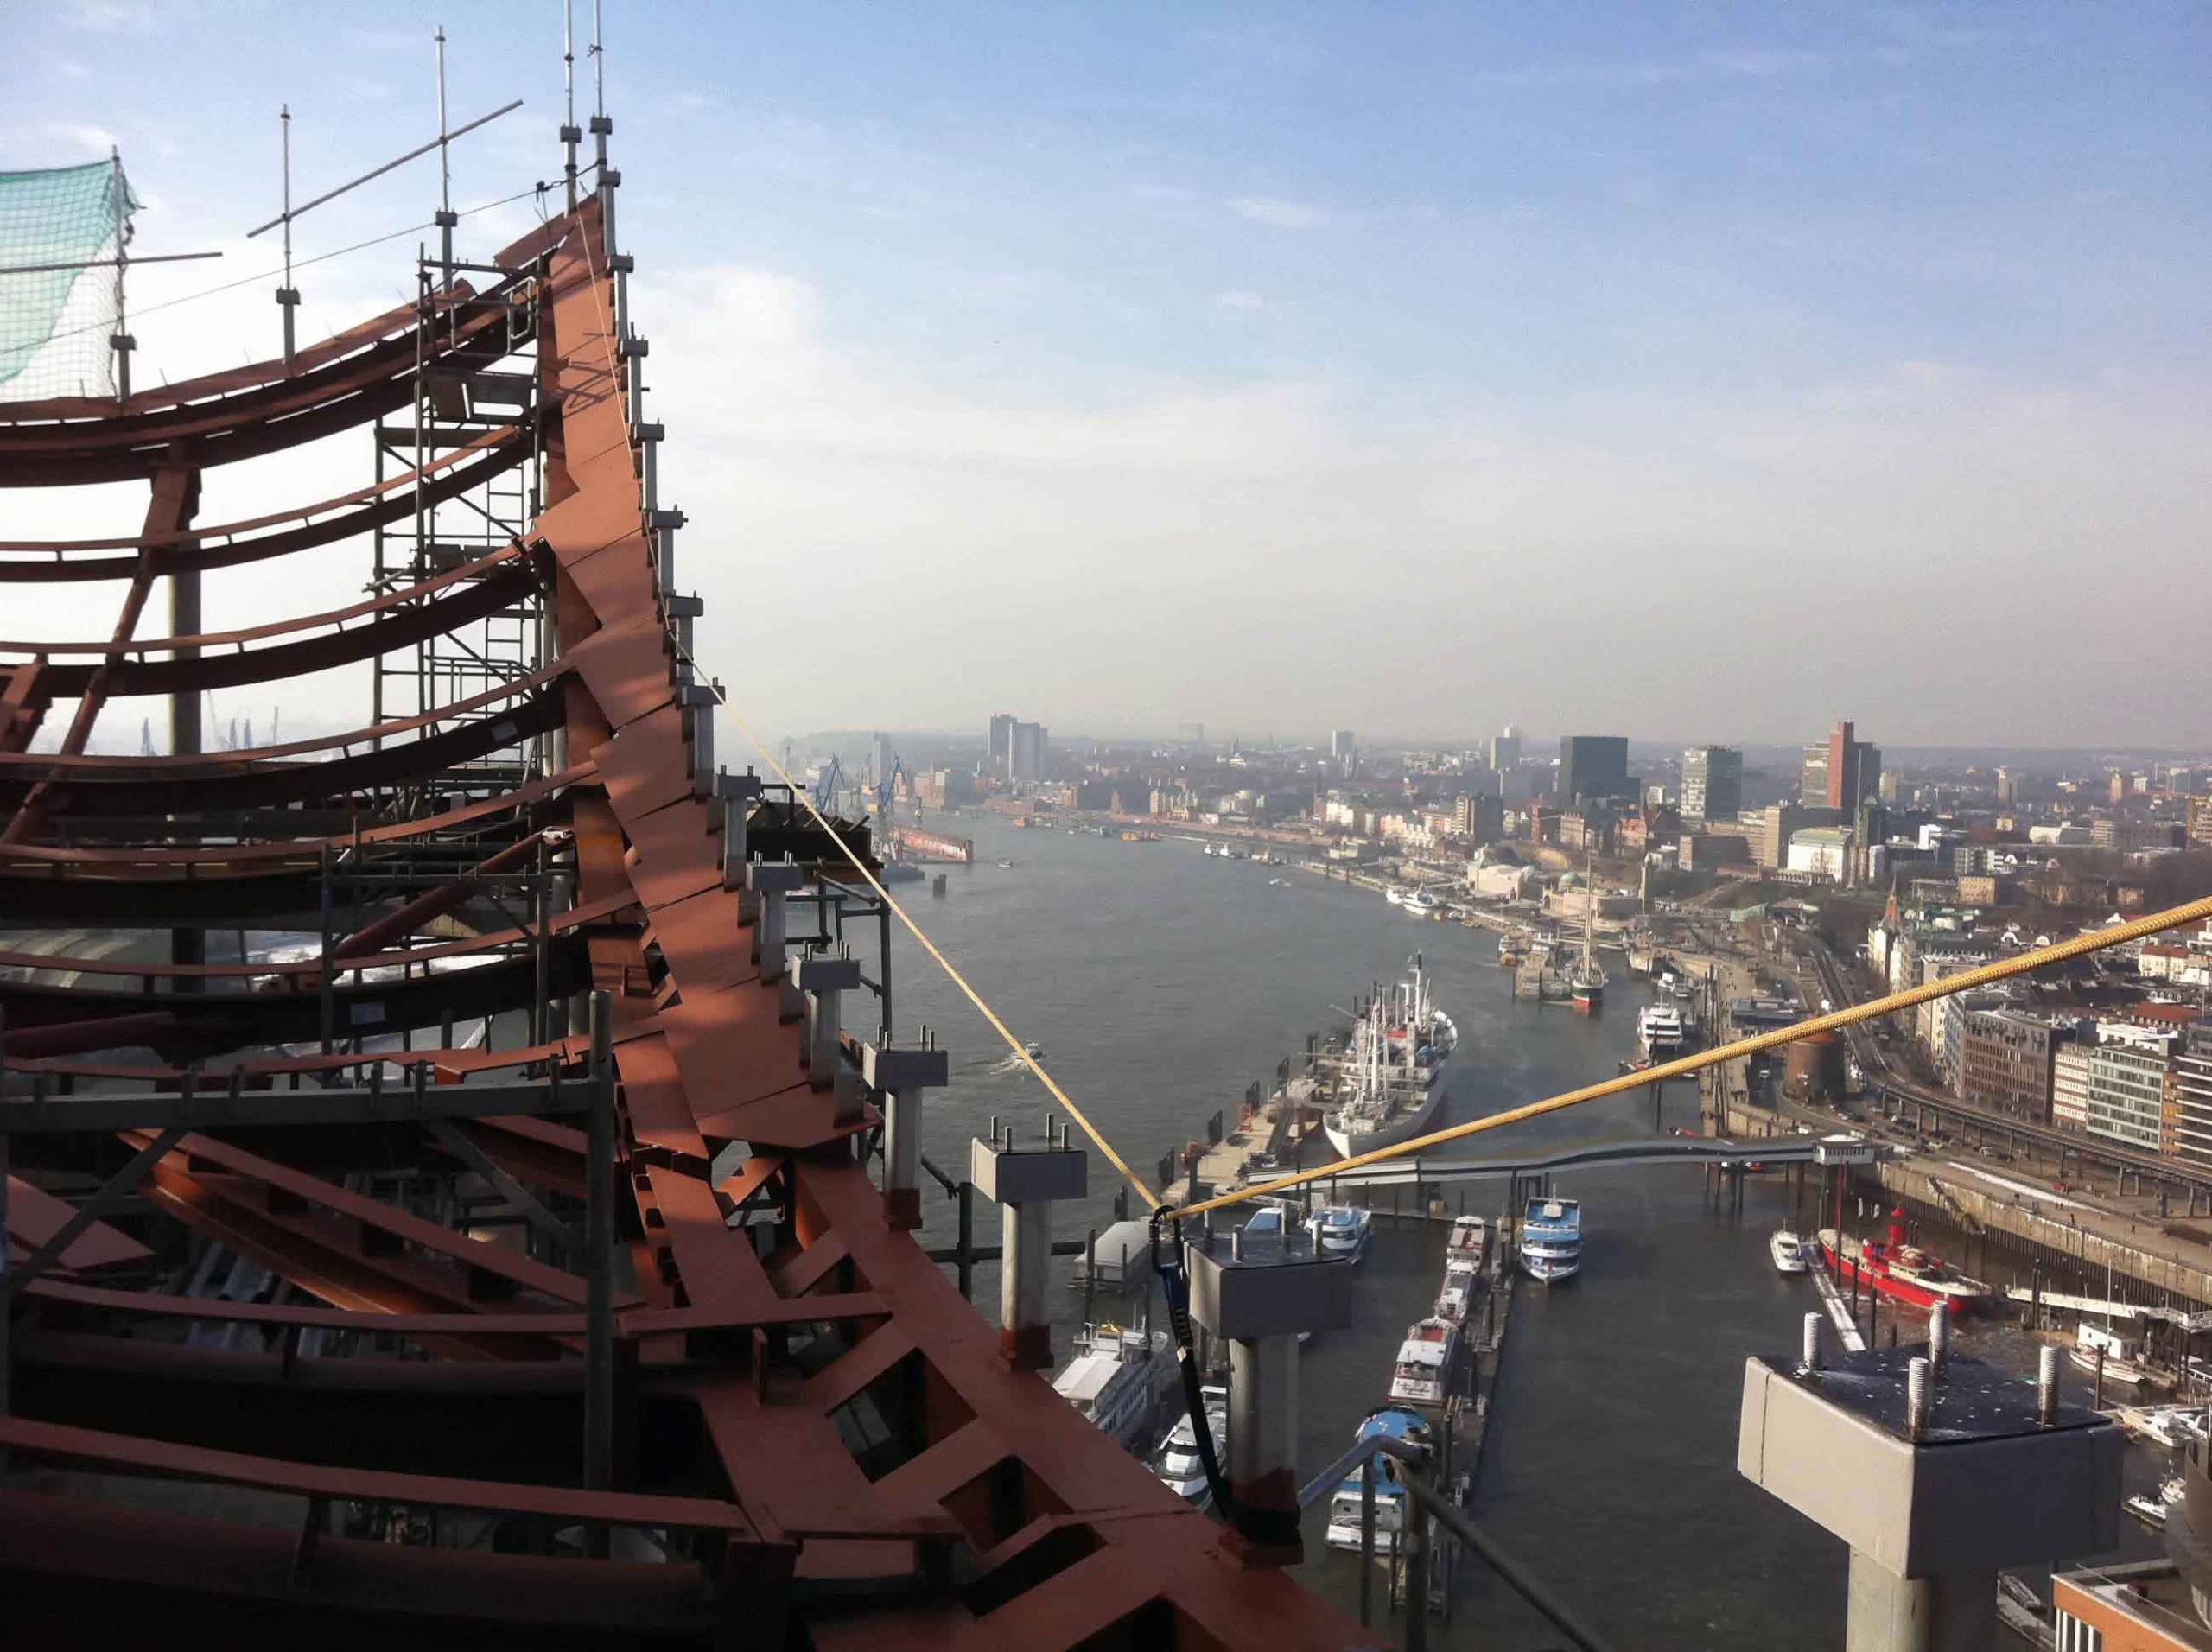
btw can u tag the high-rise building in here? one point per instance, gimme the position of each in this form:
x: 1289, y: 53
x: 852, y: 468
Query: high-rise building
x: 2008, y: 784
x: 1713, y: 782
x: 1343, y: 745
x: 879, y: 758
x: 1001, y: 740
x: 1840, y: 771
x: 1026, y: 752
x: 1593, y: 765
x: 1505, y: 749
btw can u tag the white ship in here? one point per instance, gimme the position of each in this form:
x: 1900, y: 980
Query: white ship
x: 1423, y: 1373
x: 1178, y: 1465
x: 1345, y: 1230
x: 1659, y: 1030
x: 1788, y: 1251
x: 1391, y: 1078
x: 1118, y: 1379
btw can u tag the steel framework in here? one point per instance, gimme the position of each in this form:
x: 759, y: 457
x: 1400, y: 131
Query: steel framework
x: 325, y: 1318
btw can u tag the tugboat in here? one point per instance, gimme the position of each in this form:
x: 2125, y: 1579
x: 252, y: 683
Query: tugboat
x: 1902, y: 1272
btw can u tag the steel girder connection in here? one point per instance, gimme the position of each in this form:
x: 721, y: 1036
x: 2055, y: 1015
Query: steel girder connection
x: 609, y: 1335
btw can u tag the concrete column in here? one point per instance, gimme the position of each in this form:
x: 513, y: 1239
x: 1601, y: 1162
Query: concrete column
x: 735, y: 795
x: 770, y: 883
x: 823, y: 982
x: 1025, y: 1182
x: 900, y: 1076
x: 1258, y: 1293
x: 1956, y: 1612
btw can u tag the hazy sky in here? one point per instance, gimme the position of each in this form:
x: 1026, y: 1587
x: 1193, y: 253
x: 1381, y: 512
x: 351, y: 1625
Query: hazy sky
x: 1693, y: 370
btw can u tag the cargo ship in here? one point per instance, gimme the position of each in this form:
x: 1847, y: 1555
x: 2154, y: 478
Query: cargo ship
x: 1901, y: 1272
x: 1389, y: 1077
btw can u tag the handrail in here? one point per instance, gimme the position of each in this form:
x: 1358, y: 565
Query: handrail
x: 1453, y: 1519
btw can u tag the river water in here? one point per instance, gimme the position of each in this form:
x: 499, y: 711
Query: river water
x: 1161, y: 981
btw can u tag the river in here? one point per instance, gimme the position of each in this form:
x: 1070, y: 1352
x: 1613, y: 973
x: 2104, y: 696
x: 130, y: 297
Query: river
x: 1161, y: 981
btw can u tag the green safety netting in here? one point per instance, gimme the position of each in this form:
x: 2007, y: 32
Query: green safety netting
x: 55, y: 314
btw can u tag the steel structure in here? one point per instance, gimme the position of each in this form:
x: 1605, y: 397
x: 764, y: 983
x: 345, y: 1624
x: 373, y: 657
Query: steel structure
x: 325, y: 1318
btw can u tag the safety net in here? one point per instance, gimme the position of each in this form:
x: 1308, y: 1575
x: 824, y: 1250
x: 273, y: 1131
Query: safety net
x: 55, y: 312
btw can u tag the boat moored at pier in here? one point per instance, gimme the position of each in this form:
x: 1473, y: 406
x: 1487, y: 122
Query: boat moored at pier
x: 1902, y: 1272
x: 1551, y: 1240
x: 1390, y: 1078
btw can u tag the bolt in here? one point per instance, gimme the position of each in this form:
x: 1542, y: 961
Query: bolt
x: 2047, y: 1385
x: 1915, y: 1400
x: 1812, y: 1351
x: 1939, y: 1340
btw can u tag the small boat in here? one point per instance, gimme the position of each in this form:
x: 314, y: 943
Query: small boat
x: 1470, y: 1234
x: 1396, y: 1422
x: 1419, y: 903
x: 1423, y: 1372
x: 1788, y: 1251
x: 1395, y: 895
x: 1461, y: 1282
x: 1551, y: 1240
x: 2149, y: 1510
x: 1345, y: 1230
x: 2123, y: 1360
x: 1179, y: 1465
x: 1005, y: 863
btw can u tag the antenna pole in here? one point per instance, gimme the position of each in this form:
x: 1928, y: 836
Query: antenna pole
x: 288, y: 297
x: 571, y: 134
x: 120, y: 341
x: 446, y: 217
x: 601, y: 126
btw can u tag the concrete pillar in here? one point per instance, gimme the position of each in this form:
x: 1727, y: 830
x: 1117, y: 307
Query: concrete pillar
x: 734, y: 794
x: 770, y: 883
x: 1258, y: 1293
x: 823, y: 982
x: 1935, y: 1503
x: 1024, y: 1181
x: 900, y: 1076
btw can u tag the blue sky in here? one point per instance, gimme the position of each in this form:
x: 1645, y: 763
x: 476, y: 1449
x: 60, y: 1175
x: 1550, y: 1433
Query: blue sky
x: 1698, y: 371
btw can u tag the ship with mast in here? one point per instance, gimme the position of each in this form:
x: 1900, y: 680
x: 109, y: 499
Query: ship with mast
x: 1586, y: 978
x: 1389, y: 1078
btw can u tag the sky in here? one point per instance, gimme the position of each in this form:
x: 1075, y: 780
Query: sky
x: 1699, y: 371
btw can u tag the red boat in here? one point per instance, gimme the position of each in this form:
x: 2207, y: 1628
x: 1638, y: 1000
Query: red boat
x: 1902, y: 1272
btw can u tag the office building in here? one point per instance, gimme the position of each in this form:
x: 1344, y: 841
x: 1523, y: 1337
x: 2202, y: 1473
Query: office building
x: 2126, y: 1093
x: 2004, y: 1064
x: 1343, y: 749
x: 1593, y: 765
x: 1001, y: 742
x: 1505, y: 749
x: 2190, y: 1090
x: 1713, y: 782
x: 1026, y: 752
x: 1840, y: 771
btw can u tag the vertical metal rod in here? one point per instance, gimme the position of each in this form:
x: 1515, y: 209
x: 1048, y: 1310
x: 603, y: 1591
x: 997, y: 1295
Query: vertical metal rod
x: 7, y: 1346
x: 541, y: 923
x: 1414, y: 1539
x: 445, y: 174
x: 328, y: 988
x: 288, y: 297
x: 599, y: 1258
x: 120, y: 342
x: 964, y: 1250
x: 1367, y: 1541
x: 568, y: 89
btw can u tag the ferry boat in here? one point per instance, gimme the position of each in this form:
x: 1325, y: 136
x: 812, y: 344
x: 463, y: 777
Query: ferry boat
x: 1395, y: 1422
x: 2123, y: 1359
x: 1178, y: 1465
x: 1906, y: 1272
x: 1419, y: 903
x: 1551, y: 1240
x: 1659, y: 1030
x: 1423, y: 1372
x: 1345, y: 1230
x: 1788, y: 1251
x: 1390, y: 1080
x: 1117, y: 1379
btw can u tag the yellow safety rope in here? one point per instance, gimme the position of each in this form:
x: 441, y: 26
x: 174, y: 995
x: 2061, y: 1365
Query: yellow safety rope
x: 2119, y: 935
x: 1020, y: 1049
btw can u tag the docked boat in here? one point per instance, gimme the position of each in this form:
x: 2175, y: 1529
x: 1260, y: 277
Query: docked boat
x: 1788, y: 1251
x: 1389, y: 1080
x: 1345, y: 1232
x: 2123, y: 1360
x: 1395, y: 1422
x: 1423, y: 1373
x: 1551, y: 1240
x: 1395, y: 895
x: 1902, y: 1272
x: 1585, y: 980
x: 1456, y: 1299
x: 1117, y: 1379
x: 2152, y: 1511
x: 1005, y: 863
x: 1659, y: 1030
x: 1470, y: 1234
x: 1419, y: 903
x: 1179, y: 1465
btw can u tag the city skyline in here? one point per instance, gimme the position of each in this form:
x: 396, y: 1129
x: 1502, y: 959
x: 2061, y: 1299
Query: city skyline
x: 1522, y: 344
